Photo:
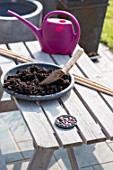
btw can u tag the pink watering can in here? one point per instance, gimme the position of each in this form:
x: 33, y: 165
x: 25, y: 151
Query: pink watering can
x: 56, y: 36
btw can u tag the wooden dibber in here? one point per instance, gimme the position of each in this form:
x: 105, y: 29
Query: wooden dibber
x: 55, y: 75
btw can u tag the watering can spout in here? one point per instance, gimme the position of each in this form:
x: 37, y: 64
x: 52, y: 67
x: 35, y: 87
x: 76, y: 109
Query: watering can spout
x: 35, y: 30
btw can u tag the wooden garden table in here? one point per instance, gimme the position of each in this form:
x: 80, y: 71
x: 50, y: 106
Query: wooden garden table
x: 93, y: 110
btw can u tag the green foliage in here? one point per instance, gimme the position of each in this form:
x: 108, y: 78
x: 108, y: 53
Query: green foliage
x: 107, y: 32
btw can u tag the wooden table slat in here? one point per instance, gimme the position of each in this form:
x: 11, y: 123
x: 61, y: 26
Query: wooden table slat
x: 38, y: 125
x: 19, y: 48
x: 92, y: 72
x: 88, y: 128
x: 67, y: 137
x: 35, y: 50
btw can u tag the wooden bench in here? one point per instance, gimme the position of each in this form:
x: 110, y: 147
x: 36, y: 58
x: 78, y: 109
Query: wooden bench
x: 2, y: 162
x: 93, y: 110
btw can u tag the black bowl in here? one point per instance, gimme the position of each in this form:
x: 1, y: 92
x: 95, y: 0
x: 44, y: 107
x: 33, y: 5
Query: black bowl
x: 14, y: 70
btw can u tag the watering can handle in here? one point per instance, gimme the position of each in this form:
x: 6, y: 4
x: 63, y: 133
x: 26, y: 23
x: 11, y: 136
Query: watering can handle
x: 67, y: 14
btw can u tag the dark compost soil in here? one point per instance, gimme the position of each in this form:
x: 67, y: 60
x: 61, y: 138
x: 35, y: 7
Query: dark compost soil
x: 27, y: 82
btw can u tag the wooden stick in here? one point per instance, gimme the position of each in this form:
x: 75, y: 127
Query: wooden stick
x: 81, y: 80
x: 100, y: 89
x: 91, y: 82
x: 15, y: 56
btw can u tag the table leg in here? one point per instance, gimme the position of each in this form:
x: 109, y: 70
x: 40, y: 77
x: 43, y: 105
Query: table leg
x: 40, y: 159
x: 72, y: 159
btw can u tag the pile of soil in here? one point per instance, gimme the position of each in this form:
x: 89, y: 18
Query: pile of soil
x: 27, y: 82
